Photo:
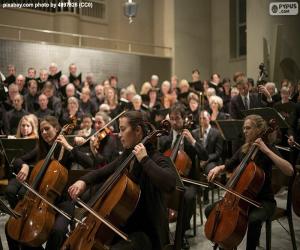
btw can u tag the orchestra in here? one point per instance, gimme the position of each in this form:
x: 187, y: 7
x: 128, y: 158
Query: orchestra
x: 133, y: 150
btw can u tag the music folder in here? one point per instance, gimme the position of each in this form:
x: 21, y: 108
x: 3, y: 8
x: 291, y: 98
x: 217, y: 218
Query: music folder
x: 230, y: 130
x: 268, y: 114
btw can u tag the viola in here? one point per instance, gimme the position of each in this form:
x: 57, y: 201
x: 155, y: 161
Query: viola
x: 37, y: 218
x: 227, y: 222
x: 115, y: 202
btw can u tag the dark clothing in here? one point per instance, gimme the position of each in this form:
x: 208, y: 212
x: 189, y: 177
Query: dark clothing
x: 226, y: 102
x: 275, y: 98
x: 8, y: 105
x: 165, y: 143
x: 97, y: 101
x: 196, y: 86
x: 9, y: 80
x: 237, y: 105
x: 13, y: 118
x: 155, y: 175
x: 107, y: 152
x: 31, y: 103
x: 286, y: 110
x: 213, y: 146
x: 88, y: 107
x: 54, y: 104
x: 40, y: 84
x: 195, y: 121
x: 65, y: 118
x: 42, y: 113
x: 295, y: 128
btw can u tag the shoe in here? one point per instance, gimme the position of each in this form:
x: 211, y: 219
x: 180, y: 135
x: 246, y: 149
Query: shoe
x: 185, y: 244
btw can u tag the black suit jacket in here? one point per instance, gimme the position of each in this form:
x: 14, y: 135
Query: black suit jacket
x: 237, y: 105
x: 214, y: 145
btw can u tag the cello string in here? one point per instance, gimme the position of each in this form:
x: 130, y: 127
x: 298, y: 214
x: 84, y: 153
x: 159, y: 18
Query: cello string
x: 26, y: 185
x: 103, y: 220
x: 254, y: 203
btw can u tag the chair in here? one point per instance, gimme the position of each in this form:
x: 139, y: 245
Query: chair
x: 280, y: 213
x: 175, y: 202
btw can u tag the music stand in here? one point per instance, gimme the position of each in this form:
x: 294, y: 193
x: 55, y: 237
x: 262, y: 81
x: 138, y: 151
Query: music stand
x: 268, y: 114
x: 15, y: 148
x: 231, y: 130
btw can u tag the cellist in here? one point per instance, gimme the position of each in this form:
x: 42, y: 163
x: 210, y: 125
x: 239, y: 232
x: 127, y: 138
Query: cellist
x: 49, y: 130
x: 192, y: 147
x: 147, y: 227
x: 266, y: 157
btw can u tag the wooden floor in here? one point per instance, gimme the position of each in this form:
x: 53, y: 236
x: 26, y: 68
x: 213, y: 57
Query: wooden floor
x: 280, y: 238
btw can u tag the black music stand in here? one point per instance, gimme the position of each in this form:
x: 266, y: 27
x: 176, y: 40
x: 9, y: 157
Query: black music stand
x: 230, y: 130
x: 268, y: 114
x: 15, y: 148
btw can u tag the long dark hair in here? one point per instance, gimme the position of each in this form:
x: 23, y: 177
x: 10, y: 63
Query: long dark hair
x: 43, y: 146
x: 135, y: 119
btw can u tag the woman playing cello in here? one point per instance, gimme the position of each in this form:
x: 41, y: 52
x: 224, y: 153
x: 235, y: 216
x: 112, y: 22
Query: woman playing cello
x: 49, y: 130
x: 267, y: 156
x: 148, y: 225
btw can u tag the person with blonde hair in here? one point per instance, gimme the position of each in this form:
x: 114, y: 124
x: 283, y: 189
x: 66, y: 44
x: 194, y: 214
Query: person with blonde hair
x: 266, y: 158
x: 146, y: 87
x: 71, y: 112
x: 166, y: 98
x: 184, y: 89
x: 27, y: 127
x: 216, y: 105
x: 111, y: 100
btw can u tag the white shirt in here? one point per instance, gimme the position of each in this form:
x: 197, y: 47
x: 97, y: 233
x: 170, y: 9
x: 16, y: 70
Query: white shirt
x: 206, y: 131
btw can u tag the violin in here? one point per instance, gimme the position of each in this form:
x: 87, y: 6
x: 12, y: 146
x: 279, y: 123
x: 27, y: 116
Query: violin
x: 101, y: 136
x: 37, y: 217
x: 115, y: 201
x: 226, y: 225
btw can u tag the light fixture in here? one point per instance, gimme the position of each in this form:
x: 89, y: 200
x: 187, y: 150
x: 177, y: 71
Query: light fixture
x: 130, y: 10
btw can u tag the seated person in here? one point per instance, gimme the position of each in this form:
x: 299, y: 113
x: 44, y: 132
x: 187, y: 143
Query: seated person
x: 266, y: 157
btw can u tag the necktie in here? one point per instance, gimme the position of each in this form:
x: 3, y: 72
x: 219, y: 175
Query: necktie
x: 246, y: 102
x: 205, y: 138
x: 174, y: 141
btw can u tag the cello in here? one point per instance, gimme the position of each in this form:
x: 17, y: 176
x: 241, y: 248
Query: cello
x: 49, y: 178
x: 226, y: 225
x: 115, y: 201
x: 182, y: 161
